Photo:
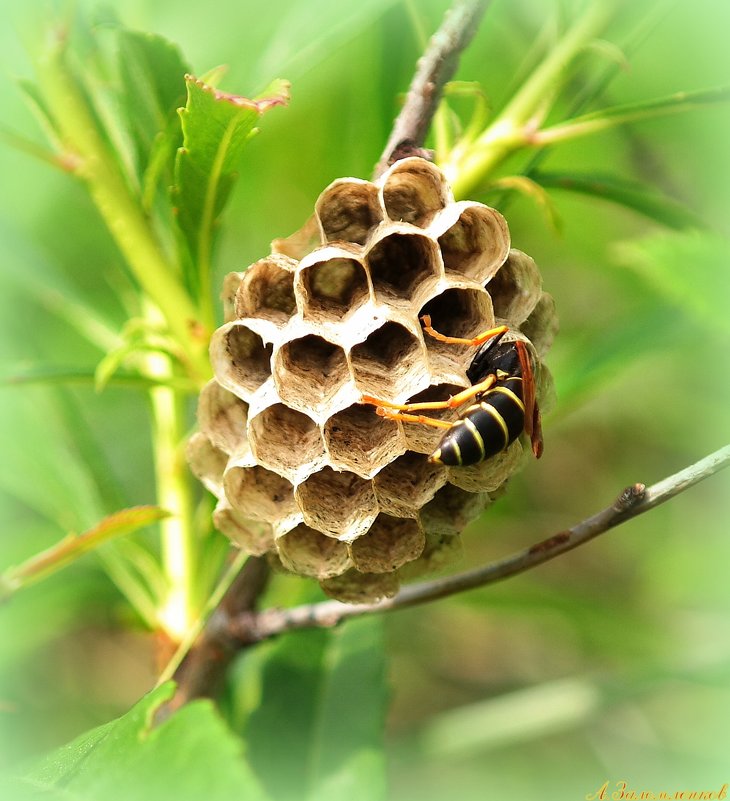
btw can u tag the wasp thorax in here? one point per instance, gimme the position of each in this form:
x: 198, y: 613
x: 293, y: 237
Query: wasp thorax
x: 305, y: 463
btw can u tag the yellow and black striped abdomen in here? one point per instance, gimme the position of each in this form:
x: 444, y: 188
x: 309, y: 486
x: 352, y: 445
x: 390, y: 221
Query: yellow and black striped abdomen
x: 485, y: 428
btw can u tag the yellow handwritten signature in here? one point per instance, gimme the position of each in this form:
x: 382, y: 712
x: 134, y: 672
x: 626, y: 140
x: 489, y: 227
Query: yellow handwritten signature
x: 620, y: 791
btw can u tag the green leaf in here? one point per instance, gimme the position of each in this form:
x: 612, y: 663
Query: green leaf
x: 73, y: 546
x: 290, y: 682
x: 535, y: 192
x: 632, y: 195
x: 690, y: 269
x: 347, y: 755
x: 330, y: 688
x: 594, y: 86
x: 191, y: 756
x: 608, y: 118
x: 153, y: 72
x: 38, y: 106
x: 216, y: 126
x: 55, y: 374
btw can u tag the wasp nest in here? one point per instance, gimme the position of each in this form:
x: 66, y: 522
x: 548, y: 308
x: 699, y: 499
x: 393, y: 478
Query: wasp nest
x: 302, y: 468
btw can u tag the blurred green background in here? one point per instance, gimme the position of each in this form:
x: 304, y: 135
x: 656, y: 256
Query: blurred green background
x: 611, y: 663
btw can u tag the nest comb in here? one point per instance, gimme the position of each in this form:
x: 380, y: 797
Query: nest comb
x: 302, y: 470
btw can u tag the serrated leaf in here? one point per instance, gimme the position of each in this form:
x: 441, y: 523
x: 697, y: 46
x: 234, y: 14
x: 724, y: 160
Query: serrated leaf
x: 191, y: 756
x: 74, y: 546
x: 216, y: 126
x: 330, y: 687
x: 153, y: 72
x: 689, y: 268
x: 632, y: 195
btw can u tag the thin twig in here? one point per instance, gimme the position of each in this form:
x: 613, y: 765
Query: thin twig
x: 437, y: 65
x: 634, y: 500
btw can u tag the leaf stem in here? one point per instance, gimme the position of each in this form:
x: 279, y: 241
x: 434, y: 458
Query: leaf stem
x: 212, y: 603
x: 178, y: 611
x: 468, y: 167
x: 119, y: 209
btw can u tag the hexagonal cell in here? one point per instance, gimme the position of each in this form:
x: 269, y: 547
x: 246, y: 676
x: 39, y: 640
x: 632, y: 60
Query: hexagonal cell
x: 422, y: 438
x: 310, y: 553
x: 414, y: 191
x: 476, y: 243
x: 400, y: 265
x: 390, y: 359
x: 407, y: 483
x: 253, y: 536
x: 286, y: 441
x: 461, y: 311
x: 440, y: 554
x: 222, y: 416
x: 515, y: 289
x: 390, y: 543
x: 228, y: 295
x: 359, y: 440
x: 488, y: 475
x: 354, y: 587
x: 241, y: 360
x: 450, y: 510
x: 207, y: 463
x: 309, y: 372
x: 331, y: 284
x: 267, y: 290
x: 257, y: 493
x: 339, y: 504
x: 348, y: 210
x: 542, y: 325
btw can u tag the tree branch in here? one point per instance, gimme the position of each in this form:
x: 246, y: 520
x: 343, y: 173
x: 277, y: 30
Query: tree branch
x: 437, y: 66
x: 633, y: 501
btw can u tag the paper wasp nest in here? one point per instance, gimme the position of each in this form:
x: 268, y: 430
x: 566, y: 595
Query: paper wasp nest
x: 301, y: 468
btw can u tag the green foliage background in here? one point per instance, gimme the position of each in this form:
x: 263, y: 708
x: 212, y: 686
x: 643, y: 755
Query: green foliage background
x: 611, y: 663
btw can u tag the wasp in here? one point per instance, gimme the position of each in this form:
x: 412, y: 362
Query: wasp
x: 503, y: 404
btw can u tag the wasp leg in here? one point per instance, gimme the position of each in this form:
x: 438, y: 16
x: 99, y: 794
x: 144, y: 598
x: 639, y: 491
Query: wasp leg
x: 499, y: 330
x: 412, y: 418
x: 451, y: 403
